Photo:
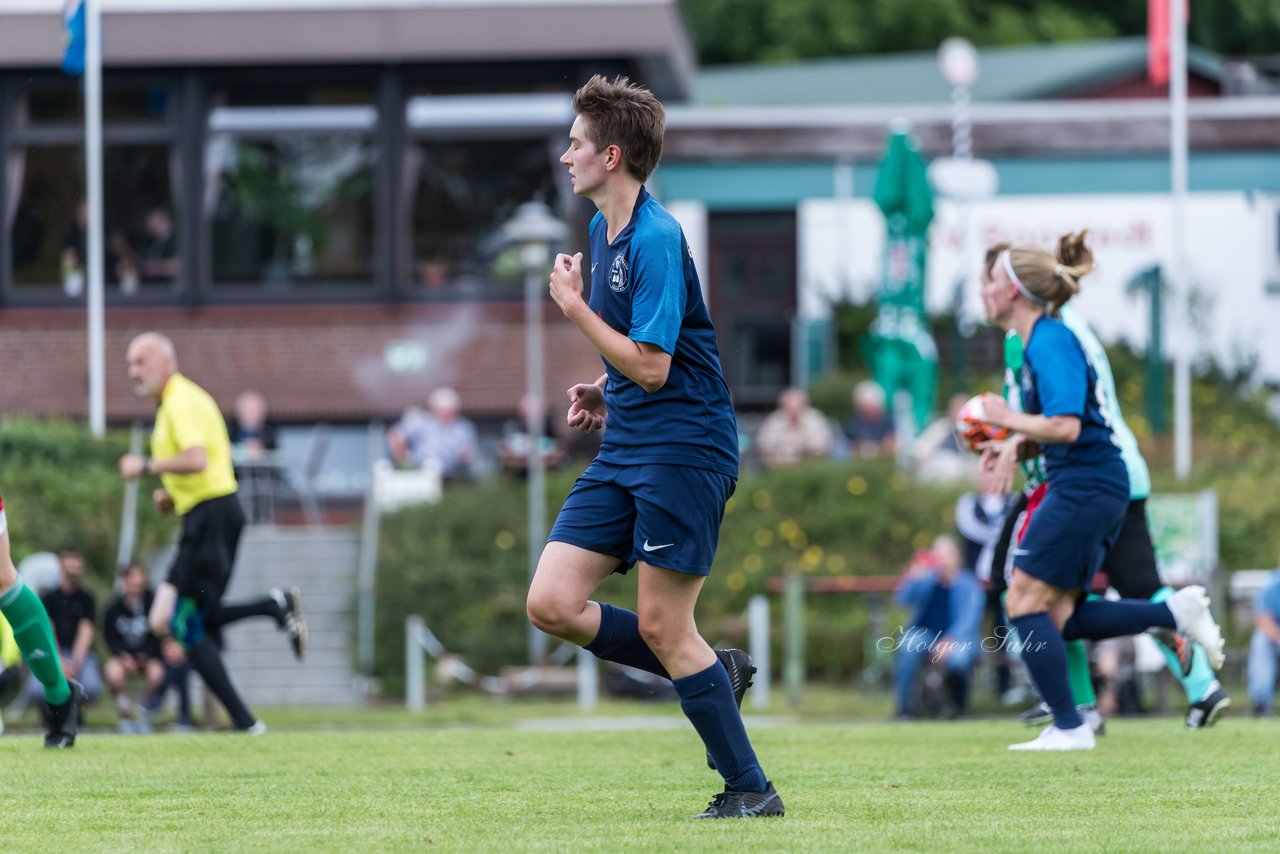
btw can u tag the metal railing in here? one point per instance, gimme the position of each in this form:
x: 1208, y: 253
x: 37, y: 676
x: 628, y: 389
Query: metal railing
x: 420, y: 642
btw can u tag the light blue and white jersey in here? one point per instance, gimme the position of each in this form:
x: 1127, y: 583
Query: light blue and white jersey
x: 1139, y: 475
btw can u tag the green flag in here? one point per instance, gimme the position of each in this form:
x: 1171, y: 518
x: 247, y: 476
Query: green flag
x: 901, y: 349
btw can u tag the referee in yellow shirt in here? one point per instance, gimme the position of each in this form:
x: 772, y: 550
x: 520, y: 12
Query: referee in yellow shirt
x: 191, y: 454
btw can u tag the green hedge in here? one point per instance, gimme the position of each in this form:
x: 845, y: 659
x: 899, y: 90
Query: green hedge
x: 462, y: 564
x: 62, y: 486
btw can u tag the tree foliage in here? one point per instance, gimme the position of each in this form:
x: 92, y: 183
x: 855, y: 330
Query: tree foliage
x: 745, y: 31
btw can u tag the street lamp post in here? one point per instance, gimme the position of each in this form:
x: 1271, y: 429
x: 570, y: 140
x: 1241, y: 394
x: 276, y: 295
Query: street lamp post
x: 961, y: 177
x: 534, y: 229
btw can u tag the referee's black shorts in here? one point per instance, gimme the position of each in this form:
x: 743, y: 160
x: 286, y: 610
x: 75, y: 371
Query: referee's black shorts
x: 207, y: 549
x: 1131, y: 564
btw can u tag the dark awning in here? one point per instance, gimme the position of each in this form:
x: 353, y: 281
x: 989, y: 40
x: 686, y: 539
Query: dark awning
x: 649, y: 33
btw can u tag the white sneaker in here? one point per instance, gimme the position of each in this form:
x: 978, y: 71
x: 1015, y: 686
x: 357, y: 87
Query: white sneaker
x: 1190, y: 607
x: 1052, y: 738
x: 1093, y: 719
x: 258, y: 728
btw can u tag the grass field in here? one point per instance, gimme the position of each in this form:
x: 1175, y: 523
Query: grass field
x: 570, y: 785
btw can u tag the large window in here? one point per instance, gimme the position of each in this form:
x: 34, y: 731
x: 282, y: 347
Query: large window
x: 472, y: 161
x: 752, y: 278
x: 289, y: 187
x: 292, y: 209
x: 44, y: 204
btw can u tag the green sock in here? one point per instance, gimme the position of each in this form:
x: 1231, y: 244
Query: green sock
x: 26, y: 614
x: 1078, y: 674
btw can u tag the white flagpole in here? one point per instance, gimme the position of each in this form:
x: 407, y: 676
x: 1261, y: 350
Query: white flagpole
x: 1181, y: 279
x: 94, y: 194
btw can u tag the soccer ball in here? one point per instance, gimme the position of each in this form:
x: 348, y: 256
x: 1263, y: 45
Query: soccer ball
x: 971, y: 428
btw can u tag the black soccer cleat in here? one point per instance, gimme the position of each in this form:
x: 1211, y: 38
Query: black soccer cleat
x: 290, y: 619
x: 740, y: 668
x: 732, y: 803
x: 60, y: 721
x: 1037, y: 715
x: 1205, y: 713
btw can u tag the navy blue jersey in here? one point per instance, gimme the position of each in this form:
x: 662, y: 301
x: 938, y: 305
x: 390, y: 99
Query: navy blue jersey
x: 644, y: 286
x: 1057, y: 379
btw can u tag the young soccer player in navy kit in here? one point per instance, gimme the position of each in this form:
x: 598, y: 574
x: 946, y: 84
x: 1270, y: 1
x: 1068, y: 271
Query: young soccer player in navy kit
x: 1065, y: 418
x: 655, y: 494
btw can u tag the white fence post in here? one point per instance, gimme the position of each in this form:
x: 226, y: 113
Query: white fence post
x: 415, y: 688
x: 758, y: 643
x: 588, y: 681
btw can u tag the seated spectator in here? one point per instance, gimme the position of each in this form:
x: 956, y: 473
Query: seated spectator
x: 442, y: 437
x: 870, y: 429
x: 946, y: 608
x: 119, y: 265
x: 134, y: 650
x: 517, y: 439
x: 252, y: 436
x: 176, y: 671
x: 793, y: 432
x: 1264, y: 649
x: 72, y: 612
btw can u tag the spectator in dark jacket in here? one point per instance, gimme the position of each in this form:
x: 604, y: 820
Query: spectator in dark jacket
x: 134, y: 650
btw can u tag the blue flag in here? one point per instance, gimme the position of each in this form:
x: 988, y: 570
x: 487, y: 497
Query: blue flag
x: 73, y: 19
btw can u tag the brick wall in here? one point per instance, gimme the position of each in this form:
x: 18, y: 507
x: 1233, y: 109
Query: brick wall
x: 312, y: 362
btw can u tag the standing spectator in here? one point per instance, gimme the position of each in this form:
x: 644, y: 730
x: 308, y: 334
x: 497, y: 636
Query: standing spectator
x: 517, y: 439
x: 946, y: 608
x: 870, y: 429
x: 72, y: 611
x: 1264, y: 649
x: 158, y: 257
x: 252, y: 436
x: 442, y: 437
x: 793, y: 432
x: 253, y: 442
x: 134, y: 649
x: 192, y: 455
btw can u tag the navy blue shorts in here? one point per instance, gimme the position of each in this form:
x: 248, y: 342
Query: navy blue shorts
x: 667, y: 516
x: 1069, y: 534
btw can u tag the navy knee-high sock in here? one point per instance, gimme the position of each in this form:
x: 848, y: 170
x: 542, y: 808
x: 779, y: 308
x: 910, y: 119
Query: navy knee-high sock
x: 1045, y: 654
x: 1098, y: 619
x: 707, y: 701
x: 619, y: 640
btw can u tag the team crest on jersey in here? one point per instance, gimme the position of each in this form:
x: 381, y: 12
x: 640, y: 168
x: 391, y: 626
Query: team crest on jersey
x: 618, y: 275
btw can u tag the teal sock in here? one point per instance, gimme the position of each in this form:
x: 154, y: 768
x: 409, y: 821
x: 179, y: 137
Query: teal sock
x: 1200, y: 681
x: 30, y: 622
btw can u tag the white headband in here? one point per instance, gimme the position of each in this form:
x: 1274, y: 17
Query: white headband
x: 1017, y: 283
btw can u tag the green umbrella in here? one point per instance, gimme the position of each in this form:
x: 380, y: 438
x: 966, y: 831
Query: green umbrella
x: 901, y: 349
